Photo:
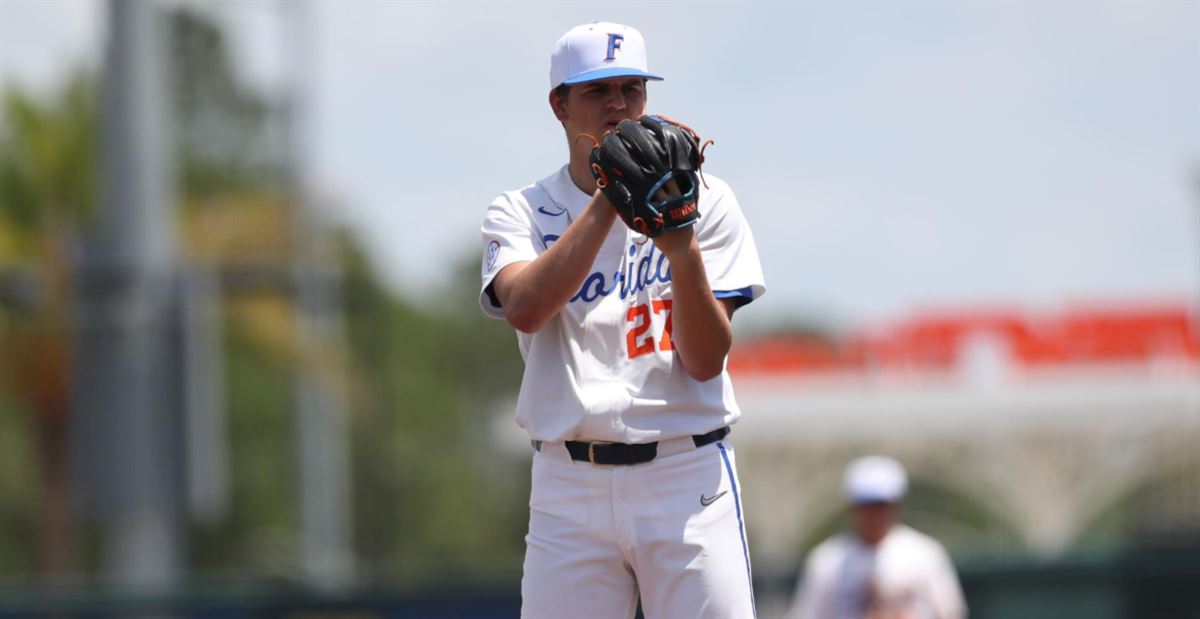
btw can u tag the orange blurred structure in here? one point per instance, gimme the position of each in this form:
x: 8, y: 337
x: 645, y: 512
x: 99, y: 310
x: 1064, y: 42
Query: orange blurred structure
x: 936, y: 342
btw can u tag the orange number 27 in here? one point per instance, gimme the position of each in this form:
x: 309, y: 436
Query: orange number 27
x: 639, y: 316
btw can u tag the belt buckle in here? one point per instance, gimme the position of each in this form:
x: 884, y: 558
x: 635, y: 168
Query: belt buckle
x: 592, y: 451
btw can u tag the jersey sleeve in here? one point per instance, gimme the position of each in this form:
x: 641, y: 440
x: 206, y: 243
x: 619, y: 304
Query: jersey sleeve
x: 945, y: 591
x: 804, y: 601
x: 815, y: 585
x: 508, y: 237
x: 727, y: 248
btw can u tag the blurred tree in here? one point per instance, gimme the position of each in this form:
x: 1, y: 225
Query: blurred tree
x: 19, y: 486
x: 432, y: 496
x: 47, y: 159
x: 421, y: 381
x: 228, y: 137
x: 47, y: 184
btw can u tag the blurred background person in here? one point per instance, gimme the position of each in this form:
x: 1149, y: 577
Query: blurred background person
x: 882, y: 569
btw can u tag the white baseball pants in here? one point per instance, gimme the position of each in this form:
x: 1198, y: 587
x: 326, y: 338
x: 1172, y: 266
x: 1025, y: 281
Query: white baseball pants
x: 670, y: 531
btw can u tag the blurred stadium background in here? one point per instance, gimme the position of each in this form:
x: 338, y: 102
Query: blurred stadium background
x: 212, y: 405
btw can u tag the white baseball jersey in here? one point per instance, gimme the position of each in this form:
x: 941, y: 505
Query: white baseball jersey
x: 603, y: 369
x: 907, y: 574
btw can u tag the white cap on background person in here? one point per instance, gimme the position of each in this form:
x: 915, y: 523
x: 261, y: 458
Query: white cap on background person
x: 598, y: 51
x: 875, y: 479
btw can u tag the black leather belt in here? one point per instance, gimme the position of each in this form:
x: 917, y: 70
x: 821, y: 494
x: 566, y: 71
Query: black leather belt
x: 626, y: 453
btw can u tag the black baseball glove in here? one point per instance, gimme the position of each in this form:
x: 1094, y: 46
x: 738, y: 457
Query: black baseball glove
x: 648, y: 169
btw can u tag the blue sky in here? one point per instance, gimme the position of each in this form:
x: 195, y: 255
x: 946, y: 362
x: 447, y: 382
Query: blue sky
x: 889, y: 156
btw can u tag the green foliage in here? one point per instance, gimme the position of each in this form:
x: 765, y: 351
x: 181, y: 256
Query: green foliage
x: 258, y: 535
x: 47, y: 184
x: 48, y: 156
x: 1151, y: 514
x: 18, y: 485
x: 429, y: 495
x: 223, y: 128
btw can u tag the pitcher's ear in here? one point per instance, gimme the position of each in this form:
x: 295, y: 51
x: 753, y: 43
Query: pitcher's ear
x: 558, y: 101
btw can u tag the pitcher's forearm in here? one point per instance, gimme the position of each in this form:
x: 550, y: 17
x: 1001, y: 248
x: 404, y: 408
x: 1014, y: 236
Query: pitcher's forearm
x: 534, y: 292
x: 701, y: 331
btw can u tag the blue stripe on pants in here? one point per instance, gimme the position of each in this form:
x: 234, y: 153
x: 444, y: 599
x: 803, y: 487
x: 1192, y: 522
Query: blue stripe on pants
x: 737, y: 501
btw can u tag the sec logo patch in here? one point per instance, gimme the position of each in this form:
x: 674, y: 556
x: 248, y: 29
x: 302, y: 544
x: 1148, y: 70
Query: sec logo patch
x: 493, y: 251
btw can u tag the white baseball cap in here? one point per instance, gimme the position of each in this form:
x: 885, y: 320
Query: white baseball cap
x: 875, y: 479
x: 598, y: 51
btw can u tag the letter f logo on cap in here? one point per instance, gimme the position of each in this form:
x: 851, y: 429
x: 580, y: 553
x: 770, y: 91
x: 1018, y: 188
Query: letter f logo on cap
x: 598, y: 51
x: 614, y: 44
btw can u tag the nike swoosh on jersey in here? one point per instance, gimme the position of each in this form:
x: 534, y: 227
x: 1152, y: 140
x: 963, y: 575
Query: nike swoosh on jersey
x: 542, y: 210
x: 706, y: 501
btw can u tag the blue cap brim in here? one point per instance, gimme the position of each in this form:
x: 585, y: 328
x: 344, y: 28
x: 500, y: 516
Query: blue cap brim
x: 610, y: 72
